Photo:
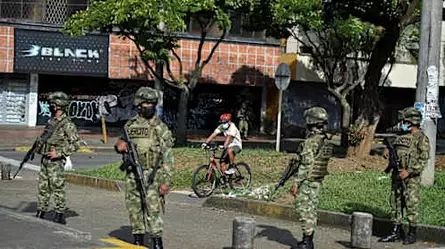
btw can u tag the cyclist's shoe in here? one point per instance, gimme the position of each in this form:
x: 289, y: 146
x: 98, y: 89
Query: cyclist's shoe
x: 229, y: 171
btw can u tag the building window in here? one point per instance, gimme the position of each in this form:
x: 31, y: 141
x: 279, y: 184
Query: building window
x: 41, y: 11
x: 236, y: 31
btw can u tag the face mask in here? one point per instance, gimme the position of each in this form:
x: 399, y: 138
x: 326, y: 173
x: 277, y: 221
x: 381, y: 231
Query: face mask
x: 225, y: 126
x: 147, y: 111
x: 405, y: 127
x: 53, y: 108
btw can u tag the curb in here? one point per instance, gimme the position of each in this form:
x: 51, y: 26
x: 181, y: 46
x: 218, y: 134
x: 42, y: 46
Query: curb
x: 330, y: 218
x: 62, y: 229
x: 94, y: 182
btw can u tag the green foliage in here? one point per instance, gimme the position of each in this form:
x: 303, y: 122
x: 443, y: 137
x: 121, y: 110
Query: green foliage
x: 152, y: 24
x: 366, y: 191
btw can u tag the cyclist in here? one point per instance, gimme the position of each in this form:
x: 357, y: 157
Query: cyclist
x: 232, y: 144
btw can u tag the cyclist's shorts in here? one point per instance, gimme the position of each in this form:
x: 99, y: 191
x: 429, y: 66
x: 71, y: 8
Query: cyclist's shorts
x: 225, y: 154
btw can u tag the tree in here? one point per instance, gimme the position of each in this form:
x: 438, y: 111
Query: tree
x: 339, y: 46
x: 153, y: 26
x: 394, y: 16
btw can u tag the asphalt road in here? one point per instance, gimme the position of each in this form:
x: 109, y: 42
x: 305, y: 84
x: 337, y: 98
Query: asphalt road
x: 187, y: 224
x: 79, y: 160
x: 19, y: 231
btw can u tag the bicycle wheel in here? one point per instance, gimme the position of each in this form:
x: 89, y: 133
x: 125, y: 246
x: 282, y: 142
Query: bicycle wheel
x: 203, y: 175
x: 241, y: 178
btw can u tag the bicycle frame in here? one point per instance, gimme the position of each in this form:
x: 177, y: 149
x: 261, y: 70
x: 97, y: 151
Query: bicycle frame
x: 213, y: 164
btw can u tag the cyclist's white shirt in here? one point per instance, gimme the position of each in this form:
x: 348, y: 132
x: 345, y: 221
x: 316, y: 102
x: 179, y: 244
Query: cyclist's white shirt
x: 234, y: 132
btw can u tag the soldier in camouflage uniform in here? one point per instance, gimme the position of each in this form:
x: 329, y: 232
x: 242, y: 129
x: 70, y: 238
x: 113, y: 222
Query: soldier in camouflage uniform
x: 312, y: 157
x: 152, y: 137
x: 243, y: 117
x: 63, y: 142
x: 413, y: 151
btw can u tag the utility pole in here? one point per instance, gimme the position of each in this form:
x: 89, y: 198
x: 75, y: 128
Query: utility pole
x: 427, y: 92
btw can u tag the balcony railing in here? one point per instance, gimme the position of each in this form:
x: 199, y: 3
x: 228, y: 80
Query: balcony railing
x: 41, y: 11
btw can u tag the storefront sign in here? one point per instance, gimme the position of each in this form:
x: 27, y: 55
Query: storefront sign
x: 55, y: 53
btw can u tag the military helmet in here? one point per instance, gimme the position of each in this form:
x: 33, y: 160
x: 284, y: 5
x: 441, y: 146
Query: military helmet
x: 411, y: 115
x: 315, y: 115
x: 58, y: 98
x: 145, y: 95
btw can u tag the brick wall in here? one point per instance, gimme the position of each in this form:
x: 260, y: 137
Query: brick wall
x: 232, y: 63
x: 6, y: 49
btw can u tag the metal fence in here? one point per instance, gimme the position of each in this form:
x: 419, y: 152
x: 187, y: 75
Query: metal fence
x: 41, y: 11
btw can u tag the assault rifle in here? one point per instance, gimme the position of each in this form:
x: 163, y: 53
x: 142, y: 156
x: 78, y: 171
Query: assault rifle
x: 293, y: 167
x: 49, y: 130
x: 396, y: 168
x: 291, y: 170
x: 131, y: 160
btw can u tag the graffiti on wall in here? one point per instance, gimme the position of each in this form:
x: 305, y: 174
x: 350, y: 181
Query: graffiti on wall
x: 88, y: 109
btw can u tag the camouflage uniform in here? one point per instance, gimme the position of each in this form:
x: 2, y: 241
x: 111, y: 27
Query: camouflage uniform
x: 65, y: 140
x: 243, y: 116
x: 312, y: 156
x: 152, y: 137
x: 413, y: 151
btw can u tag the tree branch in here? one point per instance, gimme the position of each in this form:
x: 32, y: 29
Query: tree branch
x: 410, y: 16
x: 179, y: 60
x: 170, y: 73
x: 149, y: 67
x: 212, y: 51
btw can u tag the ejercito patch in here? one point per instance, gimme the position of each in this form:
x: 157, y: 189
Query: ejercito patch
x: 139, y: 132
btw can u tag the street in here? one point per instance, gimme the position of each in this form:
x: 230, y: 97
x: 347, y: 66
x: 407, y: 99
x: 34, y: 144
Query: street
x: 79, y: 160
x: 102, y: 215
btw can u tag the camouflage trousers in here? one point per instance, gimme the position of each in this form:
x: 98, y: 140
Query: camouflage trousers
x: 412, y: 197
x: 243, y: 127
x: 306, y: 205
x: 51, y: 181
x: 154, y: 221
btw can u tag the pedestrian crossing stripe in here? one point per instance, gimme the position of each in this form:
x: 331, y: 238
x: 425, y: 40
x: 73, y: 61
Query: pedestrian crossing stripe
x: 120, y: 244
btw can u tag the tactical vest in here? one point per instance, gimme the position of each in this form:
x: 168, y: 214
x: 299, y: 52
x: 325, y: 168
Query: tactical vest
x: 58, y: 138
x: 320, y: 168
x: 406, y: 148
x: 144, y: 135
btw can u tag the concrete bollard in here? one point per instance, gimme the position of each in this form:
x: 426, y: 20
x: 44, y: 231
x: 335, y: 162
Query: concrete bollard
x: 243, y: 233
x: 5, y: 171
x: 361, y: 230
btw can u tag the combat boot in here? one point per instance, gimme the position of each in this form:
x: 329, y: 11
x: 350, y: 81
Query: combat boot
x: 60, y: 218
x: 157, y: 243
x: 412, y: 236
x: 396, y: 234
x: 40, y: 214
x: 139, y: 239
x: 306, y: 243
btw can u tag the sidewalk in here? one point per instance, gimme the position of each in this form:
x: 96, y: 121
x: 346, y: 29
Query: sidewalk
x: 188, y: 225
x: 23, y: 136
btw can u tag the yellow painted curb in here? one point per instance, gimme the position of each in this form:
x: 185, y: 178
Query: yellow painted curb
x: 119, y: 243
x: 81, y: 150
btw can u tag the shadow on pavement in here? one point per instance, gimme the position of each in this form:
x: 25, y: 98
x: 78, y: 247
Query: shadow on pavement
x: 278, y: 235
x: 380, y: 227
x: 346, y: 244
x: 123, y: 233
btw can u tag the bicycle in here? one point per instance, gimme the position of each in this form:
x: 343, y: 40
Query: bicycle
x: 210, y: 175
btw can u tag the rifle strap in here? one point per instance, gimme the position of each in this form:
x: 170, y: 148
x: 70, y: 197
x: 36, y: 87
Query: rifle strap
x: 320, y: 144
x: 51, y: 131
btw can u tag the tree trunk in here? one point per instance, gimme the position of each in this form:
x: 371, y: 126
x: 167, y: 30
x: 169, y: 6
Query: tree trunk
x: 181, y: 130
x: 370, y: 107
x: 345, y: 122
